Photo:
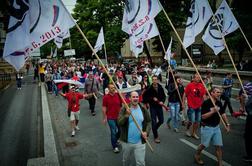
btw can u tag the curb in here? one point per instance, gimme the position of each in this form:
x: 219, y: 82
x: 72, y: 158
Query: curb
x: 51, y: 155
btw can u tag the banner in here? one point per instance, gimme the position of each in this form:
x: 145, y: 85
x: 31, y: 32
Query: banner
x: 31, y: 25
x: 69, y: 52
x: 227, y: 24
x: 199, y: 14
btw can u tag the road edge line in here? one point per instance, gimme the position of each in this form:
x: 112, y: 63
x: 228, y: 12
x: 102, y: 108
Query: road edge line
x: 50, y: 151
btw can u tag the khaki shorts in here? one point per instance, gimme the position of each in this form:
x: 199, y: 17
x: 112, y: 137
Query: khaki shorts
x: 75, y: 116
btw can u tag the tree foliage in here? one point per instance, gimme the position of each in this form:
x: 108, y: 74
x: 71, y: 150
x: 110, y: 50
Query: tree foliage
x: 91, y: 15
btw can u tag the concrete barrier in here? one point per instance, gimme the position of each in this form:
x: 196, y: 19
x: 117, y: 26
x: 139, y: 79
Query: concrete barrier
x: 51, y: 155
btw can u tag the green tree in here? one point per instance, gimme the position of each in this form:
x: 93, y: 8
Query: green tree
x: 91, y: 15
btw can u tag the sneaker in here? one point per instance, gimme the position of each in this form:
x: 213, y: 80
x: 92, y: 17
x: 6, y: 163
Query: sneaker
x: 198, y: 160
x: 77, y: 128
x: 195, y: 136
x: 157, y: 140
x: 116, y: 150
x: 176, y: 130
x: 247, y: 159
x: 93, y: 113
x: 188, y: 133
x: 73, y: 133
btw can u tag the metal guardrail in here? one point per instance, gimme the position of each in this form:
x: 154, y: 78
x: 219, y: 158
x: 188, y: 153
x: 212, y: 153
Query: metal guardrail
x: 5, y: 78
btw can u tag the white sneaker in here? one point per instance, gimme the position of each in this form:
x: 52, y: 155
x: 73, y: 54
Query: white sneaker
x: 188, y: 133
x: 116, y: 150
x: 77, y: 128
x: 73, y: 133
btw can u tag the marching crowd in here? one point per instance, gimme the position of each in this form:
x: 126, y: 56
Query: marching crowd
x: 131, y: 124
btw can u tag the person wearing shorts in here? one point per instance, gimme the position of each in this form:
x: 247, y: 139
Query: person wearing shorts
x: 210, y: 129
x: 195, y: 95
x: 73, y: 98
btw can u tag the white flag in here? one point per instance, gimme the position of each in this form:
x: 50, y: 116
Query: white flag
x: 227, y: 23
x: 200, y: 13
x: 134, y: 48
x: 168, y: 52
x: 31, y: 25
x: 59, y: 39
x: 136, y: 41
x: 138, y: 13
x: 55, y: 52
x: 149, y: 31
x: 100, y: 41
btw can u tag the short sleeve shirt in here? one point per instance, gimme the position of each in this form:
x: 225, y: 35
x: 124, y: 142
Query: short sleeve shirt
x: 113, y: 103
x: 73, y: 106
x: 195, y: 92
x: 213, y: 120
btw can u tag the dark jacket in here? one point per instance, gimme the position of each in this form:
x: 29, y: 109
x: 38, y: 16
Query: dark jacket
x: 173, y: 93
x: 150, y: 93
x: 123, y: 122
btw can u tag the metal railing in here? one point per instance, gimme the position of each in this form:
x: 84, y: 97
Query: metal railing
x: 5, y: 79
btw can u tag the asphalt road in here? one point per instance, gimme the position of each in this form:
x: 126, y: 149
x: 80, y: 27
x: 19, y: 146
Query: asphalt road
x: 91, y: 146
x: 20, y: 124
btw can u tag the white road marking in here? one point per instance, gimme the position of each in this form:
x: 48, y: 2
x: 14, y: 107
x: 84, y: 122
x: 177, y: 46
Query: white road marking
x: 203, y: 152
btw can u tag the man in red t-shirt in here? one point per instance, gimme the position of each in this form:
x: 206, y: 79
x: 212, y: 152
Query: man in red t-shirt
x: 73, y: 107
x: 195, y: 94
x: 111, y: 106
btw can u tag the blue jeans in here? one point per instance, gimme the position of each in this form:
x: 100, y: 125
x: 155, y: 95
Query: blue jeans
x: 55, y: 89
x: 194, y: 115
x: 115, y: 132
x: 175, y: 107
x: 156, y: 113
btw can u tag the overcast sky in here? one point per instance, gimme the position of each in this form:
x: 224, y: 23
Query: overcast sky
x: 69, y: 4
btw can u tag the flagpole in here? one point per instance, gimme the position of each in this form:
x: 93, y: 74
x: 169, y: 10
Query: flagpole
x: 91, y: 47
x: 169, y: 68
x: 245, y: 38
x: 105, y: 50
x: 232, y: 61
x: 70, y: 41
x: 188, y: 55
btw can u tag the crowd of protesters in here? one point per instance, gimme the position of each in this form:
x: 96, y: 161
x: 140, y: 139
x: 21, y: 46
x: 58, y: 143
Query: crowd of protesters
x: 189, y: 105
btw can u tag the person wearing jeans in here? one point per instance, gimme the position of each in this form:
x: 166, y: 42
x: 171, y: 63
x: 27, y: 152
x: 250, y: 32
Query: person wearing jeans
x: 195, y: 93
x: 111, y: 106
x: 174, y: 101
x: 154, y: 97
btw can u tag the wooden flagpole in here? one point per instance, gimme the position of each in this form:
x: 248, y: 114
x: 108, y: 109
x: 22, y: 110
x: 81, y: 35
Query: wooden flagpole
x: 230, y: 56
x: 105, y: 50
x: 91, y: 47
x: 169, y: 68
x: 245, y: 38
x: 188, y: 55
